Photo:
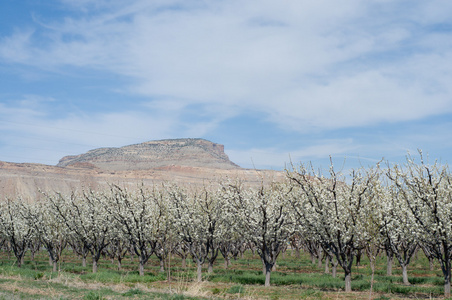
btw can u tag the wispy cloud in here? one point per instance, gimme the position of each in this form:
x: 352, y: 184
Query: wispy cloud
x: 299, y: 65
x: 271, y: 157
x: 217, y: 53
x: 28, y: 126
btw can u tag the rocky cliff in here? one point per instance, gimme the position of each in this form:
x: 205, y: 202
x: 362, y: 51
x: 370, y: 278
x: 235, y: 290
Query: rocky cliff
x: 154, y: 154
x: 182, y: 161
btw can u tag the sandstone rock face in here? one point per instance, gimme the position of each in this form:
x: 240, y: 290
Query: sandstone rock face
x: 154, y: 154
x: 193, y: 162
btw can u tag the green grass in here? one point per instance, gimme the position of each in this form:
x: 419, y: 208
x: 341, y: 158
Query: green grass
x: 133, y: 292
x: 236, y: 289
x: 294, y: 278
x: 312, y: 293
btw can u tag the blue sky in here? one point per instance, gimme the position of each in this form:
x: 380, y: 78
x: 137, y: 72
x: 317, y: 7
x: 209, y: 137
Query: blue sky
x: 272, y: 80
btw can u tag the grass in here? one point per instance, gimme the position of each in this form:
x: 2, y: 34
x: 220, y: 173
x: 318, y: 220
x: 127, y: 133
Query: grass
x: 294, y: 278
x: 236, y: 289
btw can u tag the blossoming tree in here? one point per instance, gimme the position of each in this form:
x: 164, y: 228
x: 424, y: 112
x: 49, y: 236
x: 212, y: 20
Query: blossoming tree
x: 332, y: 209
x: 264, y: 216
x: 427, y: 192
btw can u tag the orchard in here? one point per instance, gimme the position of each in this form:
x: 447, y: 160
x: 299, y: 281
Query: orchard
x: 391, y: 211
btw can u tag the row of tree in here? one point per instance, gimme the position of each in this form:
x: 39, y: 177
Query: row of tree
x: 396, y: 209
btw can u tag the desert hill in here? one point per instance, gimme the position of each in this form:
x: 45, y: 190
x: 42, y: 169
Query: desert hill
x: 182, y: 161
x: 154, y: 154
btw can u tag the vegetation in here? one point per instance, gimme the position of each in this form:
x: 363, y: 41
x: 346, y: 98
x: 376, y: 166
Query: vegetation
x: 362, y: 219
x: 295, y: 278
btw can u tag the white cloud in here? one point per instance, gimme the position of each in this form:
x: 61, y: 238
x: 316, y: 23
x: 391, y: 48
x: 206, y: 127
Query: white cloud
x: 303, y: 65
x: 29, y: 133
x: 16, y: 48
x: 278, y: 158
x: 219, y: 54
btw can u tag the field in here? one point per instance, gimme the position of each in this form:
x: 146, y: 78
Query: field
x: 295, y: 278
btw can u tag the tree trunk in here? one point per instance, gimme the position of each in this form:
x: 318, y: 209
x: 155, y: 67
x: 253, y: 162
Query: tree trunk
x: 405, y: 274
x: 210, y: 268
x: 416, y: 251
x: 119, y: 264
x: 226, y: 263
x: 447, y: 288
x: 199, y: 271
x: 348, y: 281
x: 372, y: 267
x: 358, y: 258
x: 327, y: 265
x: 268, y: 271
x: 431, y: 261
x: 54, y: 266
x: 334, y: 264
x: 141, y: 268
x: 20, y: 260
x: 184, y: 262
x: 84, y: 261
x: 390, y: 260
x: 162, y: 265
x: 447, y: 273
x: 50, y: 261
x: 94, y: 265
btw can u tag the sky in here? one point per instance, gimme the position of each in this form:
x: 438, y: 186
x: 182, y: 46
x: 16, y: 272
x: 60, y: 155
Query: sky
x: 275, y: 81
